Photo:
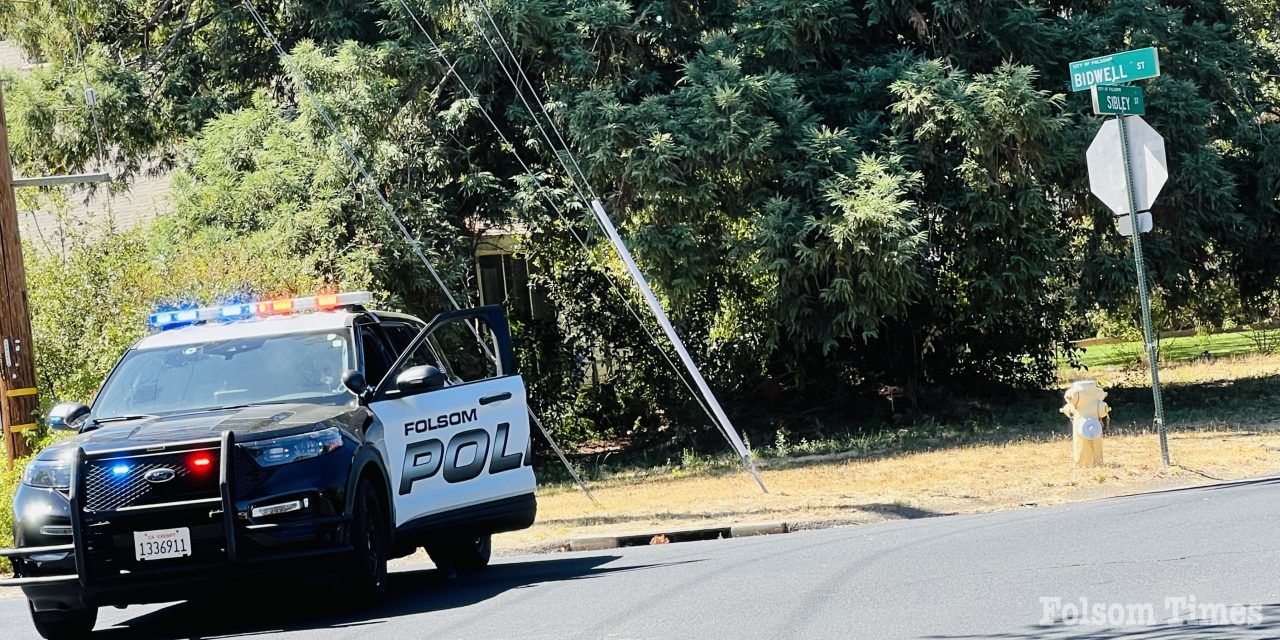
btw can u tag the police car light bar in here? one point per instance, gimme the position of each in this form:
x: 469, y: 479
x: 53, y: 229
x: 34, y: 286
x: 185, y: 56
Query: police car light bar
x: 243, y: 310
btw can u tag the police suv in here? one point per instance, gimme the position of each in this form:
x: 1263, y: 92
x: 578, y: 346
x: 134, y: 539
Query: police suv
x: 299, y: 434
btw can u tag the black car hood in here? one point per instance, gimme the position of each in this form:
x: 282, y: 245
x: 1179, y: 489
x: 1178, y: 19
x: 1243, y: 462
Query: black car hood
x: 248, y: 423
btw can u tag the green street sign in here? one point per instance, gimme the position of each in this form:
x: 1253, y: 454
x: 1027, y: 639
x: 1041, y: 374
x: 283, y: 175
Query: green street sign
x: 1118, y: 100
x: 1115, y: 68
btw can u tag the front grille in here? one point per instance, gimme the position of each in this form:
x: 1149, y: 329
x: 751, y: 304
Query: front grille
x: 106, y: 490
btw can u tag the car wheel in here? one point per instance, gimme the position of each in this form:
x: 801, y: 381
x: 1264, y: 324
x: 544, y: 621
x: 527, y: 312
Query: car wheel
x: 460, y: 553
x: 366, y: 581
x: 472, y: 553
x: 63, y: 625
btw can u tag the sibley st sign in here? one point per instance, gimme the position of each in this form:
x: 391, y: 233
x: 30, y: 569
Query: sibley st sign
x: 1118, y: 100
x: 1116, y: 68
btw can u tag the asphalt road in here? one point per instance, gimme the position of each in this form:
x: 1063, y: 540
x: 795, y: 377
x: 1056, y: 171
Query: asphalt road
x: 981, y: 576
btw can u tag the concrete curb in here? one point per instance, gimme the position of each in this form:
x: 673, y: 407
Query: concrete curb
x: 758, y: 529
x: 684, y: 534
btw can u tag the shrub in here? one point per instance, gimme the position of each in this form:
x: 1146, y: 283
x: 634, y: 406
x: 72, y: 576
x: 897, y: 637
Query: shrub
x: 8, y: 484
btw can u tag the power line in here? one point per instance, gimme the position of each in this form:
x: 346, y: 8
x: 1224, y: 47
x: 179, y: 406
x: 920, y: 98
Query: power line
x: 391, y: 212
x: 538, y: 123
x: 515, y: 62
x: 91, y: 104
x: 90, y: 94
x: 712, y: 405
x: 542, y: 190
x: 439, y: 51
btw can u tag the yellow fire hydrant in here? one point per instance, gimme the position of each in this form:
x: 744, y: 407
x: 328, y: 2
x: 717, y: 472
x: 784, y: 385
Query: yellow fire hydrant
x: 1087, y: 411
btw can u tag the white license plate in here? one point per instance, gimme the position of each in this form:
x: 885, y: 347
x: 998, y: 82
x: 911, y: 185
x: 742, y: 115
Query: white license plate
x: 162, y: 543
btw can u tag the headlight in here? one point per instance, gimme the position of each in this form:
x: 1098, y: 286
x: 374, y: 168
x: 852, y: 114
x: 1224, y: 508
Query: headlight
x: 271, y: 453
x: 49, y: 474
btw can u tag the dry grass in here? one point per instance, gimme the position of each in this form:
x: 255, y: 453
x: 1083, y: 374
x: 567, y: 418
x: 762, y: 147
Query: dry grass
x: 1225, y: 412
x: 964, y: 480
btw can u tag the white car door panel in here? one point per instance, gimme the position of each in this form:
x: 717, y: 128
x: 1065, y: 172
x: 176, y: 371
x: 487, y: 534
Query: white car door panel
x: 456, y: 447
x: 460, y: 445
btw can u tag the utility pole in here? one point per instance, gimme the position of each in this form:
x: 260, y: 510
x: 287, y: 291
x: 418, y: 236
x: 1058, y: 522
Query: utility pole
x: 18, y: 400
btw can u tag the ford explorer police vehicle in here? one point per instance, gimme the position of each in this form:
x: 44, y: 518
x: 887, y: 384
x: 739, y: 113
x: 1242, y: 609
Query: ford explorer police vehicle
x: 304, y: 434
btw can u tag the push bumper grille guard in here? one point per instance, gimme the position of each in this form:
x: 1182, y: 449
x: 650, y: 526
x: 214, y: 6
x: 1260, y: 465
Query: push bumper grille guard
x: 226, y: 490
x: 78, y: 548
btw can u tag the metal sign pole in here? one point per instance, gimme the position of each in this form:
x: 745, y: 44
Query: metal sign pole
x: 1144, y: 297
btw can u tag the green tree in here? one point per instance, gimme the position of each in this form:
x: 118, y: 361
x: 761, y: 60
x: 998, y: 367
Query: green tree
x: 826, y: 195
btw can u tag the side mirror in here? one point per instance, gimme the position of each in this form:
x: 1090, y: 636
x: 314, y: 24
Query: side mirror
x: 67, y: 416
x: 354, y: 382
x: 419, y: 379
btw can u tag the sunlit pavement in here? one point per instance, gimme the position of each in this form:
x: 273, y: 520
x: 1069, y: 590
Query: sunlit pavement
x: 1183, y: 564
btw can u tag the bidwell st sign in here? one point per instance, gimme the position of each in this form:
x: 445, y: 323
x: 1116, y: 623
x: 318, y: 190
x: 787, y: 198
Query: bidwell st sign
x: 1116, y: 68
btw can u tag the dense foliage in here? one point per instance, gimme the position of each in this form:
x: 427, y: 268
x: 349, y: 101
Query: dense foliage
x: 830, y: 197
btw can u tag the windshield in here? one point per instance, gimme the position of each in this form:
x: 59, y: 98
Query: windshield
x: 258, y: 370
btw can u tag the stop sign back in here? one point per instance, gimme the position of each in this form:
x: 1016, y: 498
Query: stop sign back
x: 1106, y: 166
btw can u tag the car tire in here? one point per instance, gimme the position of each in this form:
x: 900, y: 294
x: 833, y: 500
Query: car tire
x: 472, y: 553
x: 457, y: 554
x: 366, y: 579
x: 63, y: 625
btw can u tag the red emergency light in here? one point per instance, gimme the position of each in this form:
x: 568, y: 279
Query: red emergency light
x: 200, y: 461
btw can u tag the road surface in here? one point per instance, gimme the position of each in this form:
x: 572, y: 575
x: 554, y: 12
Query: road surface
x: 1191, y: 563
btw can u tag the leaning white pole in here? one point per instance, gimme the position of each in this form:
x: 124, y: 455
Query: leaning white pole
x: 661, y: 315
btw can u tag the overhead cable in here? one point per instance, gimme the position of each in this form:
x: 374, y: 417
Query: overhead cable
x: 543, y: 192
x: 391, y: 212
x: 712, y: 405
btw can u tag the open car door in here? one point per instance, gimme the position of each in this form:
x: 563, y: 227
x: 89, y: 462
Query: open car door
x: 456, y: 423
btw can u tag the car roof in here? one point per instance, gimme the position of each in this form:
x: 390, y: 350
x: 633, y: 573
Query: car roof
x: 252, y: 328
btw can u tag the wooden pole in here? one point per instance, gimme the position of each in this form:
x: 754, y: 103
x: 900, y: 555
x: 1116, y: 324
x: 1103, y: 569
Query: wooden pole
x: 18, y: 401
